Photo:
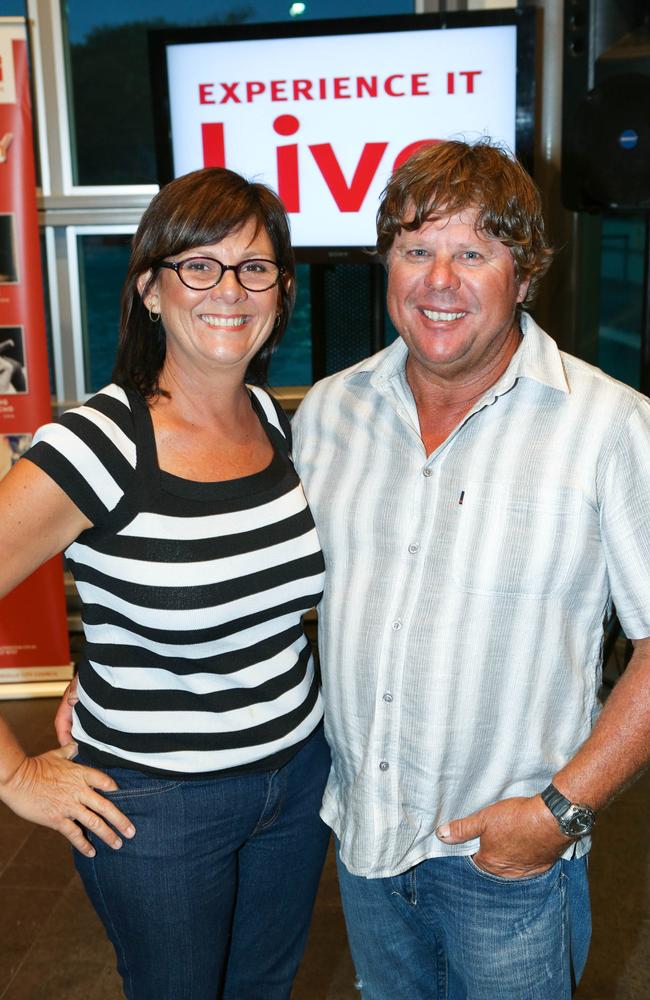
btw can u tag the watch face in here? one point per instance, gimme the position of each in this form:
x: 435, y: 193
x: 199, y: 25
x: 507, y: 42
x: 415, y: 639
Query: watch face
x: 577, y: 821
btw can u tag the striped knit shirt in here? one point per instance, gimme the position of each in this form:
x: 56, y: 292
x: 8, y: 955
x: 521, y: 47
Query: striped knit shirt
x: 196, y: 662
x: 461, y: 627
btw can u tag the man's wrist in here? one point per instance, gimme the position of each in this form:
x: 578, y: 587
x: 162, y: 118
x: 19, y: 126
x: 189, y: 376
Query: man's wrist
x: 574, y: 819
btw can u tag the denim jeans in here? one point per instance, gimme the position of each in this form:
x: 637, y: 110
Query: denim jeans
x: 214, y: 894
x: 446, y: 930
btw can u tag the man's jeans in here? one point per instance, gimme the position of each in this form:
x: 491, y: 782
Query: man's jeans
x: 446, y: 930
x: 214, y: 894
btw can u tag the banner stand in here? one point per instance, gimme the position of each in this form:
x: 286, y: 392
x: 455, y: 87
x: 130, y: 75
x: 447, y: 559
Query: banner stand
x: 34, y: 644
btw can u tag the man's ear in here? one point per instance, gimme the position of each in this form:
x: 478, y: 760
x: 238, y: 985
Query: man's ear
x: 523, y: 290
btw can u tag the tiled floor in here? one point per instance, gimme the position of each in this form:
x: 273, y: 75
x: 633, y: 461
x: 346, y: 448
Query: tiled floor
x: 53, y: 948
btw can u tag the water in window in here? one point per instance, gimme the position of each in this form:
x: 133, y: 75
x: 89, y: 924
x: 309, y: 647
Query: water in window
x: 103, y: 261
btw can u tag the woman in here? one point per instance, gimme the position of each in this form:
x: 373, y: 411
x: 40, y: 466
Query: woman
x: 195, y: 556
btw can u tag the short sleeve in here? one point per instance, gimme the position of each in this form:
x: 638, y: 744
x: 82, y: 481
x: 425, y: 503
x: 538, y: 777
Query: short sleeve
x: 90, y: 453
x: 625, y: 523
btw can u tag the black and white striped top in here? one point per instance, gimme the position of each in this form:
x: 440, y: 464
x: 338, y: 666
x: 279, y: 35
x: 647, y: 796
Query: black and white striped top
x: 196, y: 661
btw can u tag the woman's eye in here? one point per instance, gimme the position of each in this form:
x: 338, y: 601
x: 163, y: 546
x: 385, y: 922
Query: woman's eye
x: 198, y: 265
x: 417, y: 252
x: 471, y: 255
x: 255, y: 267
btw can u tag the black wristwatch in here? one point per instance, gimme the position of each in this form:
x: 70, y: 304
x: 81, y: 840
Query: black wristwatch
x: 573, y: 819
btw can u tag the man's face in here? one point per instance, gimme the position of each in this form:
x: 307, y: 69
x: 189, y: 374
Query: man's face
x: 452, y: 295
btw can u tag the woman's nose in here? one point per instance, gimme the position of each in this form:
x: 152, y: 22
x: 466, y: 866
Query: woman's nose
x: 228, y: 288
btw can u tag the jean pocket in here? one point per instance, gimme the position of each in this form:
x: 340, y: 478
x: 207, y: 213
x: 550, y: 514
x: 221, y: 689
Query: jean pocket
x: 132, y: 784
x: 504, y: 880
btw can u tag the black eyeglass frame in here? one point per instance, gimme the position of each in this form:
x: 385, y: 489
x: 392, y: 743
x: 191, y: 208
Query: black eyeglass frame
x: 175, y: 266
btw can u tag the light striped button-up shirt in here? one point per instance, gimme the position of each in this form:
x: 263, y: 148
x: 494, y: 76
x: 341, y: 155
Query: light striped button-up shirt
x: 461, y: 628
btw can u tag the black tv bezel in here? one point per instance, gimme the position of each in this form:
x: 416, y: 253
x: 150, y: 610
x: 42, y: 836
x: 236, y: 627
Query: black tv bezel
x: 525, y: 20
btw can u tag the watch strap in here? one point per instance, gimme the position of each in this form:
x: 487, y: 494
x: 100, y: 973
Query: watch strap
x: 556, y: 802
x: 573, y: 818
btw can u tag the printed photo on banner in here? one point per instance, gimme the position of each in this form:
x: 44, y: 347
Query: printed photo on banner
x: 8, y: 256
x: 5, y: 143
x: 12, y: 447
x: 13, y: 372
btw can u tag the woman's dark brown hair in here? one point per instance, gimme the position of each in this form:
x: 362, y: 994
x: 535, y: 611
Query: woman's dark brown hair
x: 446, y: 178
x: 195, y: 210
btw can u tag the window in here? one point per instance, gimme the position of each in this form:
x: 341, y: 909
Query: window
x: 621, y: 298
x: 109, y: 76
x: 98, y: 167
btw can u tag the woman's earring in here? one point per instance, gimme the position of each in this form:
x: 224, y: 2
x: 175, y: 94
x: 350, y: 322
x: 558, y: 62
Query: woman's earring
x: 153, y: 316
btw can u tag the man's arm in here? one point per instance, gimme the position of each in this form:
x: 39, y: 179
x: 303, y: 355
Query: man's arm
x: 519, y: 836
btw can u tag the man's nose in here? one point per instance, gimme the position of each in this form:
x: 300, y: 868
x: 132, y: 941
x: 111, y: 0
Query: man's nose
x: 442, y: 274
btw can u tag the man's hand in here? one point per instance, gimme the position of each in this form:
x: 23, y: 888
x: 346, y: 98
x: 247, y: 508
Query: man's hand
x: 63, y: 717
x: 519, y: 837
x: 54, y: 792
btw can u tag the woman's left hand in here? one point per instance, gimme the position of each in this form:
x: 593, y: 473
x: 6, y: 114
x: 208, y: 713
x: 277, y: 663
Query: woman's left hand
x: 53, y: 791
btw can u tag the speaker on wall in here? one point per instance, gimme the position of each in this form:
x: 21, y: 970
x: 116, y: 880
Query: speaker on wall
x: 606, y: 111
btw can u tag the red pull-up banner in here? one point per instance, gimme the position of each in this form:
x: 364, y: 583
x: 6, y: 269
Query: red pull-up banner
x: 33, y: 625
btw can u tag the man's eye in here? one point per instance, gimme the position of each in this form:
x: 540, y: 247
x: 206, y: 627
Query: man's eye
x: 417, y: 252
x: 471, y: 255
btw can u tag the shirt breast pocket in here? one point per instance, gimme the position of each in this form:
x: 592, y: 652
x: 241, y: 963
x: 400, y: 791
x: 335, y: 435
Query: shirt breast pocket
x: 514, y: 541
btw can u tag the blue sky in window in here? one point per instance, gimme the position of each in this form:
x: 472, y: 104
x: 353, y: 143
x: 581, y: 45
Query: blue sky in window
x: 84, y: 15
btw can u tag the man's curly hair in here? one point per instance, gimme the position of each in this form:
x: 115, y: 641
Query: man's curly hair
x: 445, y: 178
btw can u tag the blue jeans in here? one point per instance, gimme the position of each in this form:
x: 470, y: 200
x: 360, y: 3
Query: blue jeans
x: 214, y: 894
x: 446, y: 930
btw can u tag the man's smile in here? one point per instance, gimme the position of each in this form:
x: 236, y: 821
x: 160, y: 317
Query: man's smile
x: 442, y: 317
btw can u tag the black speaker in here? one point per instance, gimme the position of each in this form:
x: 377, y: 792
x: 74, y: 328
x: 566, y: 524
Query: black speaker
x: 606, y: 109
x: 347, y: 314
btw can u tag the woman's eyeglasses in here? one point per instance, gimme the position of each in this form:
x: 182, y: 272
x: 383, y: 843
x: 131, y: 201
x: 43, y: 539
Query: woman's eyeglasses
x: 200, y: 273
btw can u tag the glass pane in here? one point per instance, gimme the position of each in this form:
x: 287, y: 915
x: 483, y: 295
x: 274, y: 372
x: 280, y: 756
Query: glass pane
x: 9, y: 8
x: 621, y: 298
x: 48, y: 316
x: 110, y: 98
x: 103, y: 261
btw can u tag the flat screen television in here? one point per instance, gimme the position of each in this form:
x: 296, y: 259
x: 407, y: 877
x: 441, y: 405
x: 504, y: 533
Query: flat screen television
x: 322, y: 111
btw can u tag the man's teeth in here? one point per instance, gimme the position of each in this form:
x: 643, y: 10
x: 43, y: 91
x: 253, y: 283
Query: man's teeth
x: 224, y: 320
x: 440, y: 317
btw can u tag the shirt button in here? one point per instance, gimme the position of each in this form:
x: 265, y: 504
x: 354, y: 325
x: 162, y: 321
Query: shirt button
x: 383, y: 765
x: 414, y: 547
x: 396, y: 625
x: 427, y: 471
x: 388, y: 696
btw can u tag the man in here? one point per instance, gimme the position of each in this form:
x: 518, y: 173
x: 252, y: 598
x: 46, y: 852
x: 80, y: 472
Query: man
x: 481, y: 499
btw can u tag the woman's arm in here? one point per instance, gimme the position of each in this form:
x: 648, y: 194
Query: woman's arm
x: 38, y: 520
x: 51, y: 790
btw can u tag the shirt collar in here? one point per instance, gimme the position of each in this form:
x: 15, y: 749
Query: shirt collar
x: 538, y: 358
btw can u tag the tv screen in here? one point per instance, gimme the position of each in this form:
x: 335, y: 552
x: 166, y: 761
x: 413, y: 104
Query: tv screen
x: 323, y: 111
